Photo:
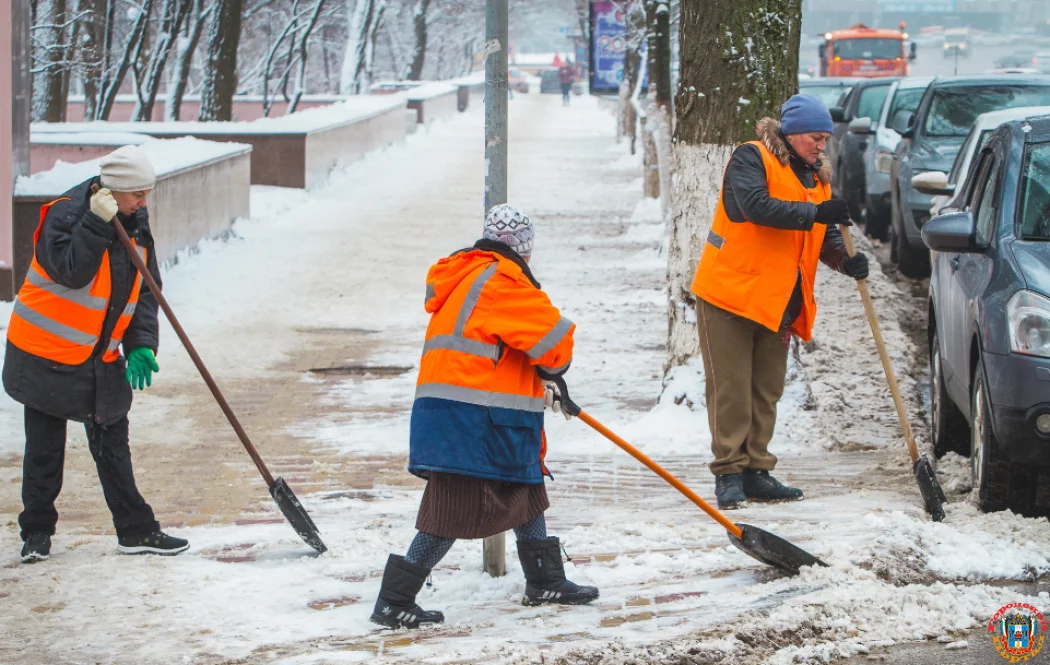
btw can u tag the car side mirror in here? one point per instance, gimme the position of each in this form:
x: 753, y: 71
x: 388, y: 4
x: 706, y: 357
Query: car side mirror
x: 954, y: 232
x: 838, y: 114
x: 902, y: 123
x: 822, y: 51
x: 912, y: 54
x: 933, y: 183
x: 861, y: 126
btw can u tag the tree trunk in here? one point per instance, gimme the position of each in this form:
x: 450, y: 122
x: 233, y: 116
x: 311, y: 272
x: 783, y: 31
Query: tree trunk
x: 739, y: 63
x: 419, y: 53
x: 373, y: 37
x: 50, y: 66
x: 172, y: 15
x: 632, y: 68
x: 90, y: 52
x: 132, y: 52
x: 220, y: 78
x: 304, y: 42
x: 352, y: 78
x: 187, y: 46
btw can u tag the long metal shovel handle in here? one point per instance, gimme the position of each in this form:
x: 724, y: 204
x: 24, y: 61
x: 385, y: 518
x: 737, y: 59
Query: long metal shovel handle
x: 887, y: 367
x: 205, y: 374
x: 574, y: 410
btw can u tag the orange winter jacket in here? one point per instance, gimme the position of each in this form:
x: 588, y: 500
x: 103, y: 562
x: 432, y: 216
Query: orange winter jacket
x: 751, y: 270
x: 479, y: 401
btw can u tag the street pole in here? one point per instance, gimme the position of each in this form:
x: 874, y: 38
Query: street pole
x: 494, y: 549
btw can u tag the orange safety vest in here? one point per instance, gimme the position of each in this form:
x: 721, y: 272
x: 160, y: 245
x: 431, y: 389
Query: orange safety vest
x: 63, y: 324
x: 751, y: 270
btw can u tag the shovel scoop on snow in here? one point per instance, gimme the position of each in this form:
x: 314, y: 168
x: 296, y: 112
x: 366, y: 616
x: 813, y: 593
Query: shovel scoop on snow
x: 282, y: 494
x: 762, y: 545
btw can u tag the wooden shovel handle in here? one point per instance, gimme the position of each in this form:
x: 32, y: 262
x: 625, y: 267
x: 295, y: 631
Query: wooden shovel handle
x: 184, y: 338
x: 663, y: 473
x: 891, y: 379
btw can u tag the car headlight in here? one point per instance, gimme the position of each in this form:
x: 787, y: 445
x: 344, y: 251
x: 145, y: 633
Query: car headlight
x: 1028, y: 318
x: 883, y: 161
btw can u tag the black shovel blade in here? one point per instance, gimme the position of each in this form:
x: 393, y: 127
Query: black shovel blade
x: 297, y: 515
x: 932, y: 494
x: 773, y: 550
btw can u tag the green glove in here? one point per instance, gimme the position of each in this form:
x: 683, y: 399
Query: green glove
x: 141, y: 366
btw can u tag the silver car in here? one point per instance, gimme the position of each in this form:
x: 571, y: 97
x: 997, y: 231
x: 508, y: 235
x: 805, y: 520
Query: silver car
x: 878, y: 155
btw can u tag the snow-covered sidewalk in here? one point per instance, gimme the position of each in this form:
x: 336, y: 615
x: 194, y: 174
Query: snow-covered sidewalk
x: 331, y: 280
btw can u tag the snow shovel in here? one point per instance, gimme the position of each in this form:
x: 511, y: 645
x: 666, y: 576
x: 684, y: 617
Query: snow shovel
x: 932, y: 494
x: 279, y: 490
x: 762, y: 545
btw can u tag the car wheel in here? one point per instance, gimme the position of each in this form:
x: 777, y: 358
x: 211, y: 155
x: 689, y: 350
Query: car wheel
x: 950, y: 429
x: 876, y: 221
x: 913, y: 262
x: 999, y: 485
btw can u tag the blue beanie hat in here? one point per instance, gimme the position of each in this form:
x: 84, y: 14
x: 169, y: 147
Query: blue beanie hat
x: 805, y: 113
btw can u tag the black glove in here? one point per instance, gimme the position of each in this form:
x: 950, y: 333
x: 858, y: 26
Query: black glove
x: 855, y: 266
x: 833, y: 211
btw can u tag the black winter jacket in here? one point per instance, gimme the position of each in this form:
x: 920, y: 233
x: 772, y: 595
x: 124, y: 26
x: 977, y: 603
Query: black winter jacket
x: 70, y: 249
x: 745, y: 195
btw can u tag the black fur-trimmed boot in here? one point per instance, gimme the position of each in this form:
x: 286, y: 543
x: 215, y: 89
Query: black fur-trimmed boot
x: 545, y: 575
x: 396, y: 606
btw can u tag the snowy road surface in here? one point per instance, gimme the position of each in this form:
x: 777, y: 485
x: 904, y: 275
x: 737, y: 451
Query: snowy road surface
x: 311, y: 318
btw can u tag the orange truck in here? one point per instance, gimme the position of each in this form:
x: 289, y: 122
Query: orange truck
x: 868, y: 52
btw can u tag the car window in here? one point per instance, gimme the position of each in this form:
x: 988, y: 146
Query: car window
x: 870, y: 102
x: 905, y: 100
x: 954, y: 110
x: 964, y: 157
x: 1035, y: 193
x: 831, y: 95
x: 974, y: 189
x: 986, y: 205
x: 867, y: 49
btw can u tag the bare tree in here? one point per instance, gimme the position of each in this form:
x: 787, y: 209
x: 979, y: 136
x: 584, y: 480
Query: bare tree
x: 184, y: 50
x: 220, y: 79
x: 414, y: 71
x: 353, y: 80
x: 51, y: 41
x: 113, y: 79
x: 739, y: 62
x: 172, y: 15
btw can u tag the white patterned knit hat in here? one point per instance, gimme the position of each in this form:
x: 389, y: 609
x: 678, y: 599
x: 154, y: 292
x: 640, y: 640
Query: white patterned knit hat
x: 510, y: 226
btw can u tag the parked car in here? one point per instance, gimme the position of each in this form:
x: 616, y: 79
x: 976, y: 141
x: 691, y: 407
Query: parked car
x: 830, y: 90
x: 943, y: 187
x: 904, y: 95
x: 846, y: 149
x: 1019, y: 58
x: 989, y: 318
x: 517, y: 81
x: 930, y: 139
x: 549, y: 83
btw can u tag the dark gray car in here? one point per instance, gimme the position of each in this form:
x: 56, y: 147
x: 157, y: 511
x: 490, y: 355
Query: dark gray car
x: 989, y: 319
x: 930, y: 139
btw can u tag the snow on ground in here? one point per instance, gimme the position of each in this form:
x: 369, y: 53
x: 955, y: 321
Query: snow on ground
x: 347, y: 261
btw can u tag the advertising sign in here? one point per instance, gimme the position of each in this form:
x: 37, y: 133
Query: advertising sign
x: 918, y: 6
x: 608, y: 44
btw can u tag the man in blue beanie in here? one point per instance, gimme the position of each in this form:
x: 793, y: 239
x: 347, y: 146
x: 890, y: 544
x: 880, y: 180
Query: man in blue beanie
x: 754, y: 286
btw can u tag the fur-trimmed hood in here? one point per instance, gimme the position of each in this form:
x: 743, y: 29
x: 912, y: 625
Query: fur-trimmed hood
x: 769, y: 133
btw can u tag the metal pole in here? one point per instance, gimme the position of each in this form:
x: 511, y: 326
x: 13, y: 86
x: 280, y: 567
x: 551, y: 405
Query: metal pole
x: 496, y: 42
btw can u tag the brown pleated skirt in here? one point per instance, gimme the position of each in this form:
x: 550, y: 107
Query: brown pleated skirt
x: 458, y: 506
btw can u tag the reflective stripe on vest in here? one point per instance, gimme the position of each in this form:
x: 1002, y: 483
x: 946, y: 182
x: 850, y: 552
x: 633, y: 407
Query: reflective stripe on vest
x: 457, y: 341
x: 63, y: 324
x: 480, y: 397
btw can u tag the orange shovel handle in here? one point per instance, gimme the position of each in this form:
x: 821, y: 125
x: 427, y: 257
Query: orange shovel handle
x: 663, y: 473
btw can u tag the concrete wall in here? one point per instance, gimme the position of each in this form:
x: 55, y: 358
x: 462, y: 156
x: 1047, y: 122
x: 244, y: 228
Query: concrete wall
x: 243, y: 110
x: 440, y: 106
x: 185, y: 207
x: 327, y: 148
x: 42, y: 157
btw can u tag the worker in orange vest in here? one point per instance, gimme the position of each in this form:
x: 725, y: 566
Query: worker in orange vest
x: 477, y: 421
x: 754, y: 286
x: 82, y: 300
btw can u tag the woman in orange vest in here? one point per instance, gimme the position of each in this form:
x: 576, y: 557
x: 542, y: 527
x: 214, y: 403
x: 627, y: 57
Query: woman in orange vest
x: 754, y: 286
x: 82, y: 300
x: 477, y: 421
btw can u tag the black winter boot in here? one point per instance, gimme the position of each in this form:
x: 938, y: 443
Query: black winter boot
x: 729, y: 491
x: 760, y: 486
x: 545, y: 575
x: 36, y: 548
x: 396, y: 606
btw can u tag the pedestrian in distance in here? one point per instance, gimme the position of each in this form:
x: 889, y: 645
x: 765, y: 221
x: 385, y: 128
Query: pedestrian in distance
x: 566, y: 76
x: 81, y: 303
x: 476, y: 431
x: 754, y: 286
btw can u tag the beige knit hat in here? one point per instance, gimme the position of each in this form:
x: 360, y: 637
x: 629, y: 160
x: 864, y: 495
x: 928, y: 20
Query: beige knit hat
x: 127, y: 169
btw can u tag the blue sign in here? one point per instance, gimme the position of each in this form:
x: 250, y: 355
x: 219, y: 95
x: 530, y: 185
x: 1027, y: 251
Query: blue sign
x: 608, y: 46
x: 919, y: 6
